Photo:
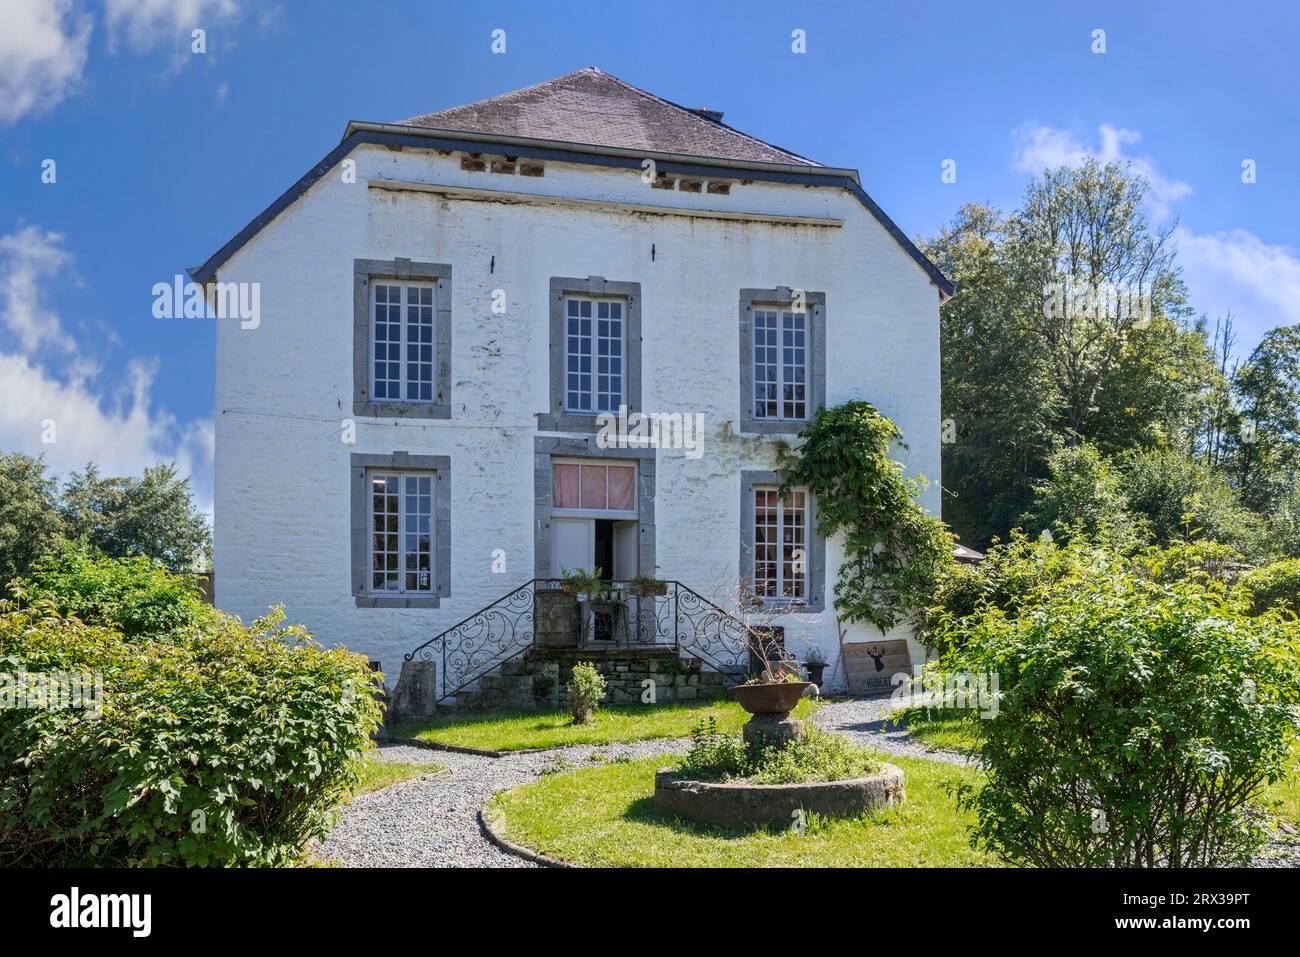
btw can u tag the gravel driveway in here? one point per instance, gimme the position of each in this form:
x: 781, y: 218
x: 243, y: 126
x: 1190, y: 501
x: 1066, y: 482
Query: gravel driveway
x: 434, y: 823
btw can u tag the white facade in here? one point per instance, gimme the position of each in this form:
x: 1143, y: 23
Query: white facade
x: 284, y: 390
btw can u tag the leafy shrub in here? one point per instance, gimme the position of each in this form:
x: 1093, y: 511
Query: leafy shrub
x: 135, y: 596
x: 1275, y: 586
x: 1083, y: 496
x: 813, y: 756
x: 1138, y: 719
x: 226, y: 745
x: 585, y: 691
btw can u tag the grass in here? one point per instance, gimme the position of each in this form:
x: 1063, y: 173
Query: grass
x: 941, y: 729
x: 1287, y: 791
x: 517, y: 730
x: 605, y: 817
x: 377, y: 774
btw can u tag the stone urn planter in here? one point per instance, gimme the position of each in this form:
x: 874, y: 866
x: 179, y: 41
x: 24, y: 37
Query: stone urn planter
x: 815, y: 671
x: 775, y: 700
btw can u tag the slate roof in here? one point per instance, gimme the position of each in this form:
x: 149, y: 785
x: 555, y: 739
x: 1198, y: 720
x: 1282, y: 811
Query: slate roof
x: 594, y: 108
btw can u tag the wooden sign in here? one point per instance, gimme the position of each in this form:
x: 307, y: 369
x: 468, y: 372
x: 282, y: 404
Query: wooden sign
x: 870, y: 666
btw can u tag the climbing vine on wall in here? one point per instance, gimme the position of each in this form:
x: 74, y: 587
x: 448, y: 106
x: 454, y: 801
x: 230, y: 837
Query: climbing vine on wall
x: 894, y: 551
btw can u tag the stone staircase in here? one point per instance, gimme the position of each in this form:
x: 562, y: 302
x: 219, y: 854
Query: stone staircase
x: 539, y: 677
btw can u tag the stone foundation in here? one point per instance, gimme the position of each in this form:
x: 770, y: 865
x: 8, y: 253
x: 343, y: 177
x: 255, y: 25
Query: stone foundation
x: 540, y: 677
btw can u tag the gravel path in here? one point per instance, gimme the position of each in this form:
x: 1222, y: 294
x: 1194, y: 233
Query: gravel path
x: 863, y: 720
x: 434, y: 823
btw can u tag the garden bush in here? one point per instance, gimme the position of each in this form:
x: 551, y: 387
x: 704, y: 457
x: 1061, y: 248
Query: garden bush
x: 815, y: 755
x: 1275, y: 586
x: 136, y: 596
x: 1139, y: 719
x: 585, y: 691
x: 225, y: 745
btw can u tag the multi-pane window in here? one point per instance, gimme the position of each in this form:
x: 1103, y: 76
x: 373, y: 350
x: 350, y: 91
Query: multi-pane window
x: 780, y: 543
x: 404, y: 317
x: 780, y: 364
x: 401, y: 533
x: 593, y: 354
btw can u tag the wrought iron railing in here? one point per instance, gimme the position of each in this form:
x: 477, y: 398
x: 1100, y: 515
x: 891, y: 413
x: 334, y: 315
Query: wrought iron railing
x: 680, y: 618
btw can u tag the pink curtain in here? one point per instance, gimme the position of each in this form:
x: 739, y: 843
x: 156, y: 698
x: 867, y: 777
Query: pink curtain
x: 621, y: 495
x: 564, y: 479
x: 593, y: 486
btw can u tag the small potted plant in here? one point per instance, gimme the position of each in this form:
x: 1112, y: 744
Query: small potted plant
x: 580, y: 581
x: 647, y: 586
x: 815, y: 662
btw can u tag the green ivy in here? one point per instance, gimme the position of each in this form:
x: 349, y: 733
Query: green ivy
x: 894, y: 551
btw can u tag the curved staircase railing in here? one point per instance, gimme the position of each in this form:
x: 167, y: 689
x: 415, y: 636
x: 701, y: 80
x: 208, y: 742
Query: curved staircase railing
x: 681, y: 619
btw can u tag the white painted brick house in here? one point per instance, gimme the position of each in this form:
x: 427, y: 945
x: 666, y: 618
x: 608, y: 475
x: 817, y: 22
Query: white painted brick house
x: 446, y: 302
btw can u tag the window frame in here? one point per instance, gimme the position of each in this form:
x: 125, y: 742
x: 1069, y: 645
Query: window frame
x: 814, y: 597
x: 363, y: 467
x: 595, y: 339
x: 779, y: 528
x: 782, y: 300
x: 404, y: 272
x: 403, y: 343
x: 558, y: 417
x: 403, y: 495
x: 615, y: 513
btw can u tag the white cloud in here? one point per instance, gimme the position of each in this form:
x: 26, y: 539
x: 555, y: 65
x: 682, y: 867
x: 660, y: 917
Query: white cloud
x: 29, y: 258
x: 114, y: 425
x: 1045, y: 147
x: 42, y: 53
x: 148, y: 24
x: 1237, y: 270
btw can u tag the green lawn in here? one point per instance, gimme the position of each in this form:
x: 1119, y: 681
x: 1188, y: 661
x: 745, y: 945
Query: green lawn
x: 376, y: 774
x: 516, y: 730
x: 605, y: 817
x: 941, y: 729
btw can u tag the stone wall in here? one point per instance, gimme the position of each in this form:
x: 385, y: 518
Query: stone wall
x: 540, y: 679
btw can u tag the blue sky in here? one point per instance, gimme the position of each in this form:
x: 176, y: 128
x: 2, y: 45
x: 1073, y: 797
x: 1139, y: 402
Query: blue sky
x: 162, y: 154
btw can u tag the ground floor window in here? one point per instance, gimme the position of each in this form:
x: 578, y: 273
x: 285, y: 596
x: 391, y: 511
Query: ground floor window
x: 401, y: 533
x: 780, y: 543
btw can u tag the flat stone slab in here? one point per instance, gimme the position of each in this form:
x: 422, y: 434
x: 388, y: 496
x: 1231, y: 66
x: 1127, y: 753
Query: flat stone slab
x: 737, y: 804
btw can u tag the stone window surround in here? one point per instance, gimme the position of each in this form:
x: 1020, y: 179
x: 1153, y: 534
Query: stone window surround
x: 815, y: 302
x: 816, y: 557
x: 544, y: 447
x: 399, y: 269
x: 361, y: 465
x: 557, y: 419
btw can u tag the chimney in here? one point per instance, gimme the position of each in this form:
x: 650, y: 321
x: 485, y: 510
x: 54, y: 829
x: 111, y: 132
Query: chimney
x: 713, y: 115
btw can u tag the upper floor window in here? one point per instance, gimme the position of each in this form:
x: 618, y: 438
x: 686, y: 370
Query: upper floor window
x: 780, y: 364
x: 594, y: 354
x: 401, y: 339
x: 782, y: 358
x: 404, y: 350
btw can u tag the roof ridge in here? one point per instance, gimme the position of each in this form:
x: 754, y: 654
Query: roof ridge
x: 506, y: 95
x: 686, y: 109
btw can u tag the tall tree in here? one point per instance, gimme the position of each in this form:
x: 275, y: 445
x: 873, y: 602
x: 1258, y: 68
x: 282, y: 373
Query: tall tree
x: 1090, y: 272
x: 1264, y: 451
x: 151, y: 516
x: 29, y: 522
x: 997, y: 401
